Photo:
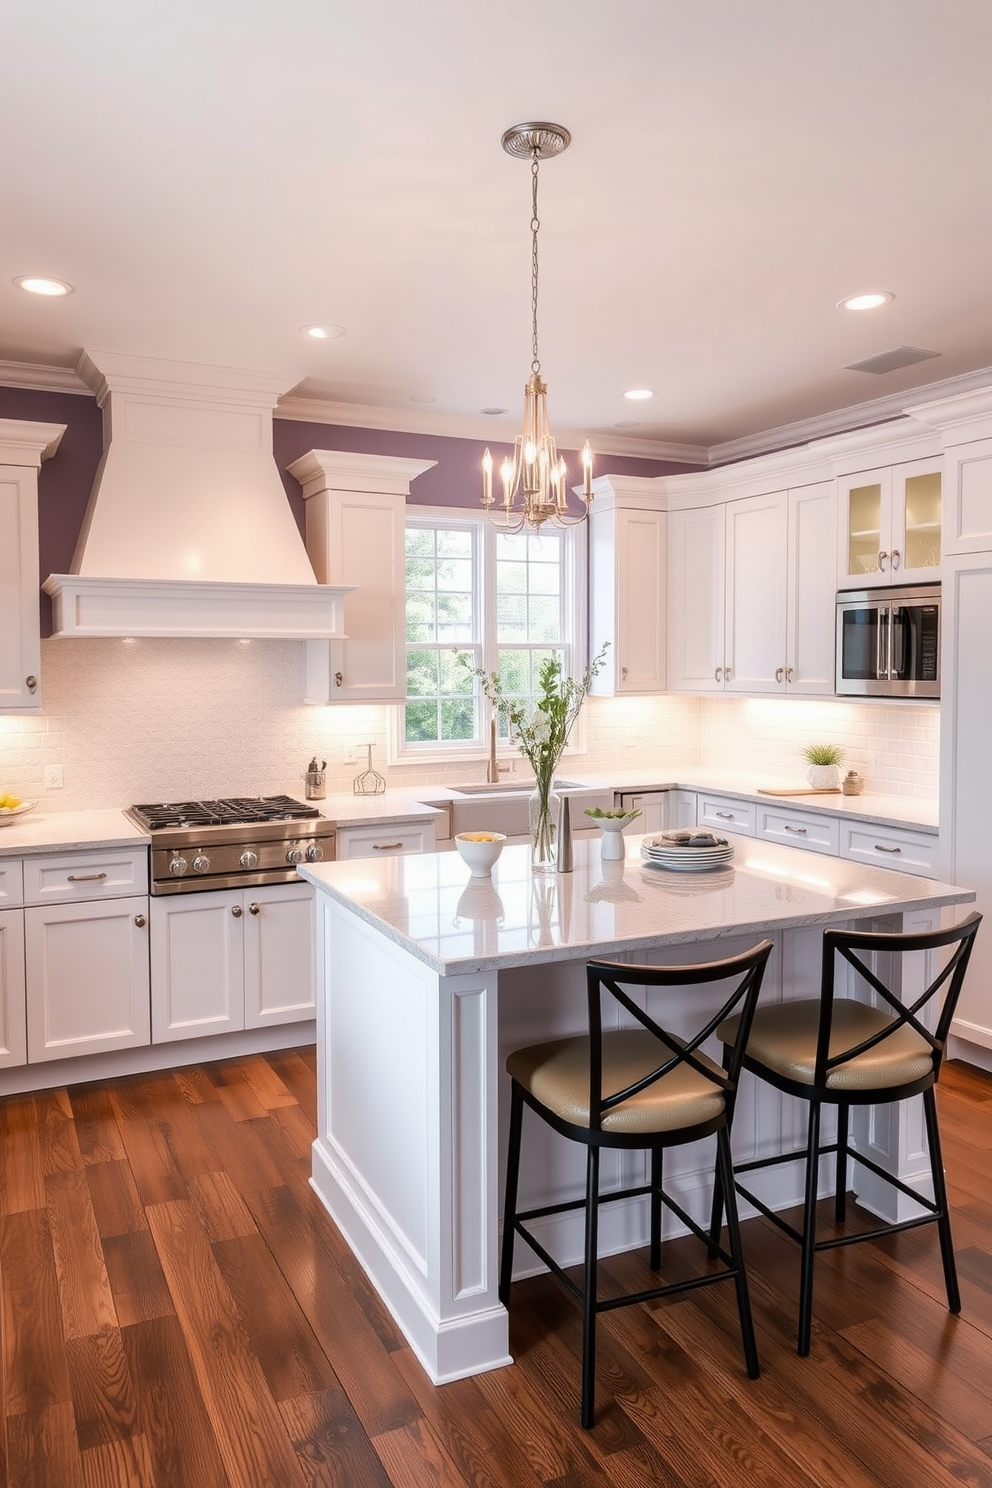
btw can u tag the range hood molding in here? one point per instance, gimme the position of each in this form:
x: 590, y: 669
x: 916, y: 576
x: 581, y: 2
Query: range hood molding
x: 189, y: 531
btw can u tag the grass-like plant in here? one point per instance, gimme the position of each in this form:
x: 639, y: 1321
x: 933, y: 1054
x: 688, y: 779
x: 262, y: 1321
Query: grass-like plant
x: 823, y: 754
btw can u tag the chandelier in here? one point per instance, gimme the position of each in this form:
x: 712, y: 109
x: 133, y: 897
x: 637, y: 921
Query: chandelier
x: 535, y: 479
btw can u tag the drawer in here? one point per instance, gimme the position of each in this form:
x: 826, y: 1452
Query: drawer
x: 725, y: 814
x: 11, y: 883
x: 104, y: 874
x: 799, y: 829
x: 385, y: 841
x: 890, y: 847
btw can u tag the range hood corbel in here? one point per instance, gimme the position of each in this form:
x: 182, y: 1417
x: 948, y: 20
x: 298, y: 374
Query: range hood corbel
x: 189, y: 531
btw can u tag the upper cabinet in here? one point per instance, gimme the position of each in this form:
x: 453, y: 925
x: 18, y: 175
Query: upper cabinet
x: 628, y: 592
x: 356, y: 512
x: 23, y: 446
x: 890, y: 524
x: 752, y: 586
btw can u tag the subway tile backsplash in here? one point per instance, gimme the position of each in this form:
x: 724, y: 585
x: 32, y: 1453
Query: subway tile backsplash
x: 159, y: 720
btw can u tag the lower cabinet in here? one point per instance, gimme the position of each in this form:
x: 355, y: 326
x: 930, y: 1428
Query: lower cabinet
x: 86, y: 968
x: 227, y: 960
x: 13, y: 1025
x: 388, y: 841
x: 725, y: 813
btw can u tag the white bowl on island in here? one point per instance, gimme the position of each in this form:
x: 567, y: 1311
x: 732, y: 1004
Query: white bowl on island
x: 480, y: 851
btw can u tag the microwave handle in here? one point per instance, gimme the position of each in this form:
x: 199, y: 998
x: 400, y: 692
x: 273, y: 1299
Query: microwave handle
x: 883, y: 643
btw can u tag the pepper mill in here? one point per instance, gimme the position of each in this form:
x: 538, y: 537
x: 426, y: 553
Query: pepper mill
x: 563, y: 862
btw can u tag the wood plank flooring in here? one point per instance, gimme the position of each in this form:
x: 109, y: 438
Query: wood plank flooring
x: 177, y: 1311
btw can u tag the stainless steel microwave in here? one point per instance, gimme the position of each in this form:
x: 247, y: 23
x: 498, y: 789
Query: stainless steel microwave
x: 888, y: 642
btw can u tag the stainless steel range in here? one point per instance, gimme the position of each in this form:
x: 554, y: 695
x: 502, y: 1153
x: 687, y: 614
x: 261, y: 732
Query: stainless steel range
x: 231, y: 843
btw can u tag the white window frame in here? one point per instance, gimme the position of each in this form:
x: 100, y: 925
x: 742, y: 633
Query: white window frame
x: 576, y: 624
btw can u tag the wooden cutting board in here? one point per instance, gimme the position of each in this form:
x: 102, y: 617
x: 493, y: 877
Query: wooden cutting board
x: 798, y: 790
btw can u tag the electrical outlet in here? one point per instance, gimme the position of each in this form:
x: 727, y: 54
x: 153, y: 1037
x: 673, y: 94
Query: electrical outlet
x: 53, y: 777
x: 349, y: 754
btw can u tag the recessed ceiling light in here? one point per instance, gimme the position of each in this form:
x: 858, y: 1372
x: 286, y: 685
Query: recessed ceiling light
x: 868, y: 301
x: 637, y: 394
x: 37, y: 285
x: 323, y: 332
x: 421, y: 398
x: 493, y: 412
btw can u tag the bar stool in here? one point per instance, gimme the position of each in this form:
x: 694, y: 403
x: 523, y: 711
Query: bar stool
x: 835, y: 1051
x: 637, y: 1087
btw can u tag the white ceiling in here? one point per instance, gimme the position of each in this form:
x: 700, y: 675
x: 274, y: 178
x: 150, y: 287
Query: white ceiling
x: 212, y: 176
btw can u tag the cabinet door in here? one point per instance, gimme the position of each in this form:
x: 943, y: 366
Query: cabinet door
x: 864, y: 505
x: 20, y: 626
x: 197, y: 965
x: 917, y: 522
x: 87, y: 977
x: 811, y: 591
x: 280, y: 936
x: 757, y: 555
x: 653, y: 806
x: 696, y: 590
x: 387, y: 841
x: 968, y: 499
x: 13, y: 1024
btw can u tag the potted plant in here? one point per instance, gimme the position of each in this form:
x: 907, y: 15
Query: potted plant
x: 824, y: 762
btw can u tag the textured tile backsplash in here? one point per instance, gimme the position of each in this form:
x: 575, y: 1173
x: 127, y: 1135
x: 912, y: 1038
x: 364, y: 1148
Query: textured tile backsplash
x: 159, y: 720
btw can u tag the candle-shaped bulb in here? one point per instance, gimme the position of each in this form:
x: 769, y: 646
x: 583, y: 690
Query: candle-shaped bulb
x: 587, y: 471
x: 506, y: 472
x: 487, y: 479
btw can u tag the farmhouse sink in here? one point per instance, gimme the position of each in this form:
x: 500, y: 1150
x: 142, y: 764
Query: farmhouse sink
x: 509, y: 787
x: 502, y: 806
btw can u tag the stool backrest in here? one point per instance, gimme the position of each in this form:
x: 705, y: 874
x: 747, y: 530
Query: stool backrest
x: 853, y: 946
x: 674, y: 1050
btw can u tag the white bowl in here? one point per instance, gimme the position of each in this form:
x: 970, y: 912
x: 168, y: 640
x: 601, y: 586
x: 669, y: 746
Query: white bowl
x: 480, y: 850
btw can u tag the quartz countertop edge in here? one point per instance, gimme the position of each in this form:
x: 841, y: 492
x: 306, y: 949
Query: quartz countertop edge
x: 69, y: 831
x: 396, y: 893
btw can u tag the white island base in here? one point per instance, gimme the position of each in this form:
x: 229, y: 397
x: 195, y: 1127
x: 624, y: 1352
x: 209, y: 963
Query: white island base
x: 427, y: 980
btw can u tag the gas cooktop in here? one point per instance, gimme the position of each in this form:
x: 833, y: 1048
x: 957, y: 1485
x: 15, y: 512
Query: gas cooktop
x: 229, y: 811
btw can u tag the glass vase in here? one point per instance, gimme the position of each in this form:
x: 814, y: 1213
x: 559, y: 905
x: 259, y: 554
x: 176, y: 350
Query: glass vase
x: 542, y: 811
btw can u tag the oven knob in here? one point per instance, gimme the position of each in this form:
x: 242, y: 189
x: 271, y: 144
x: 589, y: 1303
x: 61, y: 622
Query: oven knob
x: 314, y: 852
x: 177, y: 866
x: 294, y: 855
x: 201, y: 863
x: 248, y: 859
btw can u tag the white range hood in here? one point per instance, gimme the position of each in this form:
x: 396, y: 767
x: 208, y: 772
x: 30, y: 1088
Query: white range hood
x: 189, y: 531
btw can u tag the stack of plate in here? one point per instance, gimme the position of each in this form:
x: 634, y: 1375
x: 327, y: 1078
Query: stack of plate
x: 687, y: 852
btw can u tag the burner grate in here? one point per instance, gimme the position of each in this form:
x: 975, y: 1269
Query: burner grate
x: 228, y: 811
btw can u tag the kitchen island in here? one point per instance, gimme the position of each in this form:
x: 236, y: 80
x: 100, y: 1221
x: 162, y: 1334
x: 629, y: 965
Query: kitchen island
x: 427, y: 977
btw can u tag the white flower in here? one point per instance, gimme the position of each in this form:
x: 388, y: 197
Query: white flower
x: 539, y: 728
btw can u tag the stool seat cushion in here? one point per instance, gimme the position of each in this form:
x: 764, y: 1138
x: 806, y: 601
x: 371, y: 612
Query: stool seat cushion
x: 557, y: 1074
x: 783, y: 1039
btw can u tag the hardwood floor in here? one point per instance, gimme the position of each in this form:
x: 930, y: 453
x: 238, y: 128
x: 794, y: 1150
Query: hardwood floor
x: 178, y: 1312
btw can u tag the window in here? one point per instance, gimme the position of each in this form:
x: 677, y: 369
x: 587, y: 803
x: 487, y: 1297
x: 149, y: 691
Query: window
x: 492, y: 599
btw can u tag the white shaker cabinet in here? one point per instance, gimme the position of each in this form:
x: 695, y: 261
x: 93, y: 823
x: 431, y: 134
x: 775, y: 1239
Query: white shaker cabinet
x: 232, y: 959
x: 356, y: 513
x: 628, y: 569
x: 890, y: 525
x: 23, y: 446
x: 386, y: 841
x: 13, y: 1022
x: 755, y: 629
x: 968, y: 497
x: 697, y: 539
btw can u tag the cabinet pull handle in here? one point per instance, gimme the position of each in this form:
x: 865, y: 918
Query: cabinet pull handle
x: 788, y: 674
x: 236, y: 911
x: 799, y: 831
x: 86, y: 877
x: 726, y: 674
x: 623, y: 673
x: 779, y: 673
x: 339, y: 679
x: 879, y: 847
x: 31, y: 683
x: 718, y: 674
x: 895, y: 558
x: 386, y: 846
x: 881, y: 560
x: 254, y: 909
x: 140, y: 921
x: 724, y: 815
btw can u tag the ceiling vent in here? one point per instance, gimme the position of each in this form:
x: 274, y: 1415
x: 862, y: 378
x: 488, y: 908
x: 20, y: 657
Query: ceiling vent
x: 891, y: 361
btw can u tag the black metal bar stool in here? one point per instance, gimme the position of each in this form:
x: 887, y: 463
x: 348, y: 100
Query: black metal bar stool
x: 836, y: 1051
x: 636, y: 1087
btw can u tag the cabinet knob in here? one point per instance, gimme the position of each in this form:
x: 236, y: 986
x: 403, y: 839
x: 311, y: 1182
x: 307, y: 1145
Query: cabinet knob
x: 140, y: 921
x: 31, y: 683
x: 254, y: 909
x: 236, y: 911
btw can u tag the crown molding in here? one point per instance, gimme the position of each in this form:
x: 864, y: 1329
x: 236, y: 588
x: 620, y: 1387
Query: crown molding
x: 42, y: 379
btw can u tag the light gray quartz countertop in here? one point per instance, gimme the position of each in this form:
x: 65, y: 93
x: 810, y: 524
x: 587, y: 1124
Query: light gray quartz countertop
x: 429, y: 905
x: 67, y: 831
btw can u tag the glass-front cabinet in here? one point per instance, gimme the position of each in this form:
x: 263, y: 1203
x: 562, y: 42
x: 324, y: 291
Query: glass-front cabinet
x: 890, y: 525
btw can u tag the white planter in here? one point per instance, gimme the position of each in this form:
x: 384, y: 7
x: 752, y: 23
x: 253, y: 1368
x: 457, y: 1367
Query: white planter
x: 824, y: 777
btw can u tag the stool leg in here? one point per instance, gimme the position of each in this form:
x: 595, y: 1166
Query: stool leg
x: 716, y: 1215
x: 657, y: 1158
x: 809, y: 1231
x: 510, y: 1195
x: 940, y: 1199
x: 725, y: 1176
x: 840, y: 1187
x: 589, y: 1299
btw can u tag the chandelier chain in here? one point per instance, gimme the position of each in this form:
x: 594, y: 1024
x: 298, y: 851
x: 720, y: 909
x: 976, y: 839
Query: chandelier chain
x: 535, y: 223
